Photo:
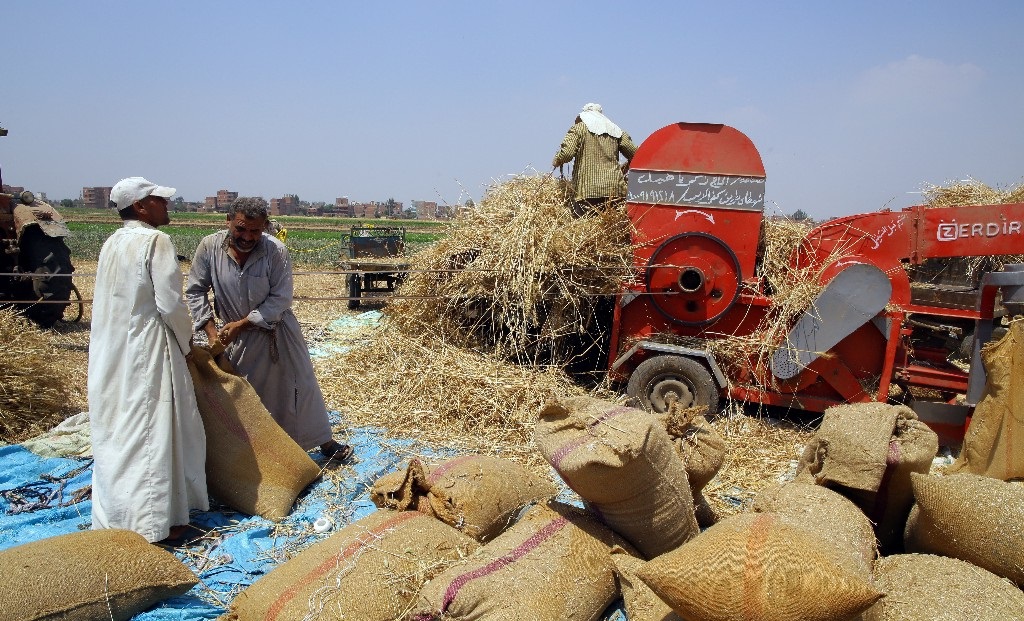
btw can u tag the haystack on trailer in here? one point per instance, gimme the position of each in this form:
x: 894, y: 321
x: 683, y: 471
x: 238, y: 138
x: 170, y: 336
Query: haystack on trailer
x: 696, y: 199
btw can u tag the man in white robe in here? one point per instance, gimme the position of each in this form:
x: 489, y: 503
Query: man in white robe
x: 148, y: 438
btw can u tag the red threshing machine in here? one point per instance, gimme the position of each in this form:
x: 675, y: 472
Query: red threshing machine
x: 696, y: 199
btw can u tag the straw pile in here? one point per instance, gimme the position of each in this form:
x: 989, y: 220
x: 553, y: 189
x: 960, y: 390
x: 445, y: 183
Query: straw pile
x: 415, y: 386
x: 34, y: 386
x: 518, y: 274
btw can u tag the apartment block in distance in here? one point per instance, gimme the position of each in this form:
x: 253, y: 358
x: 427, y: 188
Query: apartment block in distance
x: 284, y: 206
x: 96, y: 198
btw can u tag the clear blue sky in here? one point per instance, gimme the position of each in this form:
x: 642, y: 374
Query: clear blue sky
x: 853, y: 105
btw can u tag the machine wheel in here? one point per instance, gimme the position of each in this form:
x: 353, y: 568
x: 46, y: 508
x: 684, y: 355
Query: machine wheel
x: 657, y: 380
x: 353, y: 290
x: 42, y: 254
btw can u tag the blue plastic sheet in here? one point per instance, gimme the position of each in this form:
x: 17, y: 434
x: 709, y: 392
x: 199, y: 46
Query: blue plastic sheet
x: 38, y: 500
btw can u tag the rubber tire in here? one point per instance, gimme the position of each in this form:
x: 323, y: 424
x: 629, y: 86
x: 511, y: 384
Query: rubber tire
x: 353, y: 291
x: 77, y: 307
x: 42, y: 254
x: 687, y: 372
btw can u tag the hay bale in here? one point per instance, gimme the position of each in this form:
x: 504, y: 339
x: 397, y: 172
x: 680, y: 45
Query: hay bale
x: 554, y: 564
x: 923, y: 587
x: 99, y: 574
x: 518, y: 274
x: 371, y: 570
x: 477, y: 494
x: 756, y: 566
x: 35, y: 387
x: 973, y: 518
x: 621, y: 461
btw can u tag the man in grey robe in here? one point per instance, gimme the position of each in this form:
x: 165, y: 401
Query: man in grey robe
x: 250, y: 274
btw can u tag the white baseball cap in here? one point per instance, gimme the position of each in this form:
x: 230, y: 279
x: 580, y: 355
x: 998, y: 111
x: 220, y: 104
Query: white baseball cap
x: 127, y: 192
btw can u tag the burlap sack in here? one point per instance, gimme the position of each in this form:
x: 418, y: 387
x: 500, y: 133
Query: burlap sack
x: 368, y: 571
x: 830, y: 516
x: 638, y: 599
x: 554, y: 564
x: 755, y: 567
x: 477, y: 494
x: 88, y: 575
x: 994, y: 443
x: 973, y: 518
x: 252, y: 465
x: 866, y: 451
x: 700, y: 446
x: 622, y: 463
x: 702, y: 450
x: 923, y: 587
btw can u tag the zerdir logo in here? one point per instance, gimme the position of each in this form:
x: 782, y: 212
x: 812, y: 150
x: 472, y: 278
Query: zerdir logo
x: 952, y: 231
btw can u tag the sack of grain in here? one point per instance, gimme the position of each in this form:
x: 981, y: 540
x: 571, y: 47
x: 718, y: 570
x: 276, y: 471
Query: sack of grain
x: 923, y: 587
x: 992, y: 443
x: 970, y: 517
x: 621, y: 461
x: 702, y: 450
x: 755, y: 566
x: 830, y: 516
x: 700, y: 446
x: 554, y: 564
x: 368, y: 571
x: 88, y: 575
x: 867, y: 451
x: 477, y: 494
x: 252, y: 465
x: 638, y: 599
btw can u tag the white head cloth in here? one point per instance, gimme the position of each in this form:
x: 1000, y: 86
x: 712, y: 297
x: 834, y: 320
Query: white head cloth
x: 595, y: 120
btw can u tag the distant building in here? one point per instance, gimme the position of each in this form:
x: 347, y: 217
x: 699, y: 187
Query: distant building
x: 210, y: 204
x: 96, y: 198
x: 284, y: 206
x: 225, y: 198
x: 342, y: 207
x: 365, y: 210
x: 430, y: 210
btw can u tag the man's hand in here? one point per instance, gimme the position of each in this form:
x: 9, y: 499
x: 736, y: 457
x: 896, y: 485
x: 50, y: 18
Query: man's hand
x: 230, y: 331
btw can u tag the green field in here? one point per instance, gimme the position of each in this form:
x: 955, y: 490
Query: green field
x: 312, y: 241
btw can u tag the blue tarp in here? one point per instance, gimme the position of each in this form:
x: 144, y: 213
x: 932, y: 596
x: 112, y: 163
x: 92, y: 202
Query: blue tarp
x: 40, y: 497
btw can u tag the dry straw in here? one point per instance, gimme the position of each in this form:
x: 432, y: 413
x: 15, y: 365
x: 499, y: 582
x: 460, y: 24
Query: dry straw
x: 34, y: 386
x: 518, y: 274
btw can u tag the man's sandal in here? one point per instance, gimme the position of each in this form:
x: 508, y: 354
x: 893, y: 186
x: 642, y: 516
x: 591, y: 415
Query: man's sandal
x: 338, y: 453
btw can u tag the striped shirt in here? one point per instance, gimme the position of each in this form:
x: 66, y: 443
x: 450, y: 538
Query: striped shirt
x: 595, y: 171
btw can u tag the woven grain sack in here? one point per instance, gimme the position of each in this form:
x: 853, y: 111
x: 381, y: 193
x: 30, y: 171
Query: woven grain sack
x: 554, y: 564
x: 757, y: 568
x: 621, y: 461
x: 477, y: 494
x: 638, y: 599
x: 973, y: 518
x: 700, y: 446
x: 368, y: 571
x: 867, y: 451
x: 98, y: 574
x: 923, y: 587
x: 702, y: 450
x: 830, y: 516
x: 252, y: 465
x: 994, y: 443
